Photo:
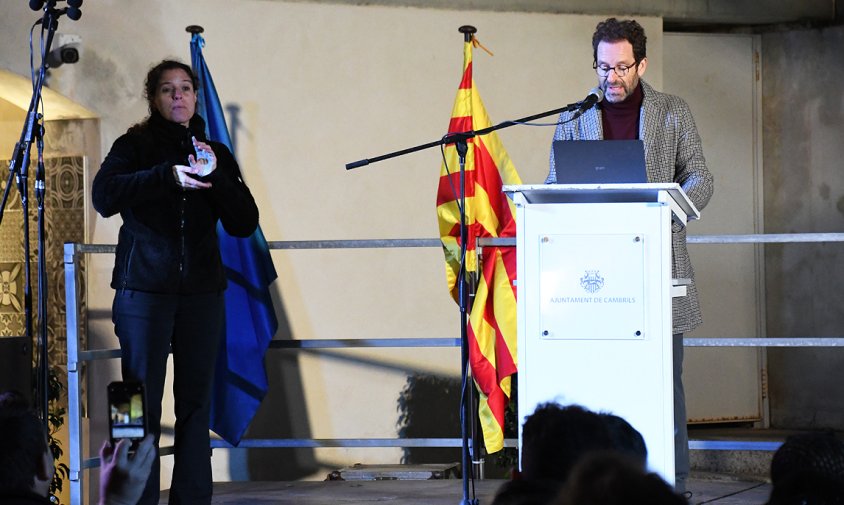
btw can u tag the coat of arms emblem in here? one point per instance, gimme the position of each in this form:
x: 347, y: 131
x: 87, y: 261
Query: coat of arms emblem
x: 592, y: 281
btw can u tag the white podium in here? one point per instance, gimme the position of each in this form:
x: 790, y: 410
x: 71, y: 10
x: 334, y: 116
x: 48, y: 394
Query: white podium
x: 594, y: 302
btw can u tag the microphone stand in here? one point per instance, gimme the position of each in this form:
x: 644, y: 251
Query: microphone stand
x: 452, y: 137
x: 460, y: 140
x: 33, y: 130
x: 466, y: 391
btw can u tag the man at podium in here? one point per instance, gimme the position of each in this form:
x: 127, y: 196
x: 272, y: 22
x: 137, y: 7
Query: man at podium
x: 630, y: 110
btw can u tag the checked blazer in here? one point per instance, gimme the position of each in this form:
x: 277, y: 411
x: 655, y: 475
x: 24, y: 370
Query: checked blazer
x: 673, y: 153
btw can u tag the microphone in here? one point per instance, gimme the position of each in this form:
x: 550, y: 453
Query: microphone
x: 73, y: 13
x: 73, y: 10
x: 595, y: 95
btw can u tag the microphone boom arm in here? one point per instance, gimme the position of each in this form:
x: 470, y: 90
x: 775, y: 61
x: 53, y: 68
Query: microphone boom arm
x: 450, y: 137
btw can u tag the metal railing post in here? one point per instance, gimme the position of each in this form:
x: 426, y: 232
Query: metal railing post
x: 74, y: 405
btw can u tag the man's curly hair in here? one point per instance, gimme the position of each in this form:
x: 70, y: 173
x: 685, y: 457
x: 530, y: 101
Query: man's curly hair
x: 613, y: 30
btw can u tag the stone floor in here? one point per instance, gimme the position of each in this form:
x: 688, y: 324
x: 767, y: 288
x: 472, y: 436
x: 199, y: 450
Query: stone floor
x: 721, y: 477
x: 705, y: 488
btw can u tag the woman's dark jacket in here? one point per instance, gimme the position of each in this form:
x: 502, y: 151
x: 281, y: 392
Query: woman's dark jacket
x: 168, y: 240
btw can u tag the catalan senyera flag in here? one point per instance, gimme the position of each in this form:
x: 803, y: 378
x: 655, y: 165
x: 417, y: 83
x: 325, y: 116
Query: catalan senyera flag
x: 489, y: 213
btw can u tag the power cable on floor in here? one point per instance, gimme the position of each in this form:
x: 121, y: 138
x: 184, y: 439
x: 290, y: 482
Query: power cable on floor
x: 732, y: 494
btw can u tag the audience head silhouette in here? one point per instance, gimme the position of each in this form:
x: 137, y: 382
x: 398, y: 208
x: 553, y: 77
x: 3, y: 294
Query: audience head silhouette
x: 606, y: 450
x: 808, y: 469
x: 26, y: 465
x: 626, y: 439
x: 555, y: 438
x: 613, y: 478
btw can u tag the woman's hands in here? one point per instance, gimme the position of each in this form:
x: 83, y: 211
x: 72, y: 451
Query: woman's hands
x: 204, y: 163
x: 205, y: 158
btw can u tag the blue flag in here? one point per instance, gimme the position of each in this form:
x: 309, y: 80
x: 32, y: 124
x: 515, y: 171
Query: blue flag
x: 240, y: 381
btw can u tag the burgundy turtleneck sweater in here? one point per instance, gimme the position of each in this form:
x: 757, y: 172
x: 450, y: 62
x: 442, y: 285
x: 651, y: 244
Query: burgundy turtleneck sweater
x: 621, y: 120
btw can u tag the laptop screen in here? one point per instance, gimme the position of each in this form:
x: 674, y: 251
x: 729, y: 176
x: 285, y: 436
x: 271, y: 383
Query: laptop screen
x: 599, y: 161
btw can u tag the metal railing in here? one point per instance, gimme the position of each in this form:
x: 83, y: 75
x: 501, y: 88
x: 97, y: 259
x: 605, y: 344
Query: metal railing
x: 73, y: 253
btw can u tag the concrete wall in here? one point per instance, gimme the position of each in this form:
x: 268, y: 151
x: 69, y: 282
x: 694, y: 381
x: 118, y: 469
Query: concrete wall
x: 804, y: 192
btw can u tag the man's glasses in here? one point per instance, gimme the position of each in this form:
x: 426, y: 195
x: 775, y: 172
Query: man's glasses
x: 620, y: 70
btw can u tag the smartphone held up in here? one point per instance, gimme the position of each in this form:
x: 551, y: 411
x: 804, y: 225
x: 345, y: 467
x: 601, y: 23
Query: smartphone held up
x: 127, y: 412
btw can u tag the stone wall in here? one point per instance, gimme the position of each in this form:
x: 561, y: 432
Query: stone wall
x: 803, y: 114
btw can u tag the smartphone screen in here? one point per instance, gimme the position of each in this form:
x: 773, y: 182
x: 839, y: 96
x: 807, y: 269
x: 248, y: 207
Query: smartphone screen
x: 127, y: 412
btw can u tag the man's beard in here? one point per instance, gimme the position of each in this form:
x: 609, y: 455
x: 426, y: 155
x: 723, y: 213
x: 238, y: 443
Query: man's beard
x: 627, y: 86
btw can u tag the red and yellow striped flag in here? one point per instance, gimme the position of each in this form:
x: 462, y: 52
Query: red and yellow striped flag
x: 489, y: 213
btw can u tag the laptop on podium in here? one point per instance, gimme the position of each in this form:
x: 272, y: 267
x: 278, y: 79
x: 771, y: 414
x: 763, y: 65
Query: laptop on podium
x: 599, y: 161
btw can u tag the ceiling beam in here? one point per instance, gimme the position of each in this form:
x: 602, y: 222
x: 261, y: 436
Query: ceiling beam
x: 674, y: 12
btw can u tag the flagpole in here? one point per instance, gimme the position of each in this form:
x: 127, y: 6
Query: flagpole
x: 240, y: 379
